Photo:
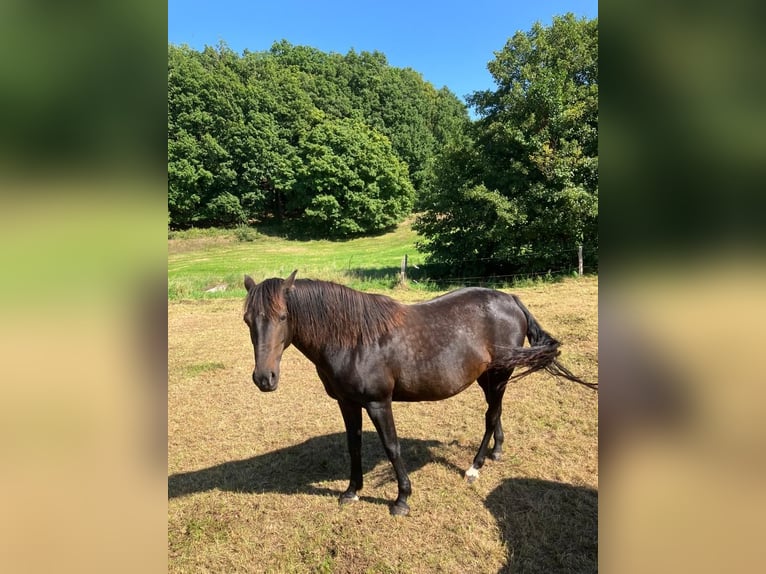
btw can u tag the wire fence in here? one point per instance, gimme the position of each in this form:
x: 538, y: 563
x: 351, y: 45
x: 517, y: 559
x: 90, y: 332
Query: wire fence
x: 496, y: 270
x: 493, y: 279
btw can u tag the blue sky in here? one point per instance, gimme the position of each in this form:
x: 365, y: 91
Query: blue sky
x: 448, y: 42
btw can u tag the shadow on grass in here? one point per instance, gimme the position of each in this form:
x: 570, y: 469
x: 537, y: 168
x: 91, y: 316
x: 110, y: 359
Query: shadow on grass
x: 436, y: 277
x: 419, y: 276
x: 296, y: 469
x: 295, y: 230
x: 548, y: 527
x: 387, y: 277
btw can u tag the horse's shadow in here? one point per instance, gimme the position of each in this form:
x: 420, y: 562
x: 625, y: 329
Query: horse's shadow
x: 298, y: 468
x: 546, y: 526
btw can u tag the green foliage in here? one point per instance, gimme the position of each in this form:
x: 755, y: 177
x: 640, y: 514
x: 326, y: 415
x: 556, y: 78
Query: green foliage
x: 225, y: 211
x: 351, y: 181
x: 524, y: 193
x: 345, y: 145
x: 340, y: 145
x: 245, y: 233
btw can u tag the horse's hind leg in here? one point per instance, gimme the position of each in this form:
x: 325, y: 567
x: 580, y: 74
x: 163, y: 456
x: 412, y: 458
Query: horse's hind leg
x: 485, y: 380
x: 493, y: 384
x: 497, y: 448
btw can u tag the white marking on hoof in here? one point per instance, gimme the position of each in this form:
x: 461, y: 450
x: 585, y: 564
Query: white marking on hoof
x: 348, y: 499
x: 472, y: 473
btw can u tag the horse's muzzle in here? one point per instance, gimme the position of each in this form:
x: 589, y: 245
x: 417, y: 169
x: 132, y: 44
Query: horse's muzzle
x: 267, y: 381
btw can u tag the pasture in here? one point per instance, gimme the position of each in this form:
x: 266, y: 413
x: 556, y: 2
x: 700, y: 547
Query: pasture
x: 254, y: 478
x: 201, y: 261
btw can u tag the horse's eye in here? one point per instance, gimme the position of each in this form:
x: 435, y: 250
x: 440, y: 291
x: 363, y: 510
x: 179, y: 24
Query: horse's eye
x: 283, y: 317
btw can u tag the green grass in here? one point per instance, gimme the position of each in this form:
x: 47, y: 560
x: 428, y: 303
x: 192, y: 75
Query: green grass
x: 199, y: 260
x: 211, y: 263
x: 193, y: 370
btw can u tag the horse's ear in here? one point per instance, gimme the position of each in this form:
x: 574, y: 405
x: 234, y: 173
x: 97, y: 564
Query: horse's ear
x: 288, y: 284
x: 249, y: 283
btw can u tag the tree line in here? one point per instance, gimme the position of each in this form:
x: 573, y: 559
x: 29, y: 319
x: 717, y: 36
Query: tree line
x: 343, y: 145
x: 340, y: 144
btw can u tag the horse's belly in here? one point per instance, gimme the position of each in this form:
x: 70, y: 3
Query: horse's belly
x: 439, y: 392
x: 436, y: 365
x: 430, y: 382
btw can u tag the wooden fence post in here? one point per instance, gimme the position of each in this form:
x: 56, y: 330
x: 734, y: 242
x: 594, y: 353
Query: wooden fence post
x: 403, y: 274
x: 579, y: 260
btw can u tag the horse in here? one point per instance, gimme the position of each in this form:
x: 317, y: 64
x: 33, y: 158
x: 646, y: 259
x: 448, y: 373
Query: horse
x: 370, y: 350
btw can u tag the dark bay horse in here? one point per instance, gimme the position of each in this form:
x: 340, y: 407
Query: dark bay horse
x: 370, y: 350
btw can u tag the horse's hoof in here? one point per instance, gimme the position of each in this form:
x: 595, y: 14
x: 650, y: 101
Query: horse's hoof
x: 399, y: 509
x: 496, y: 456
x: 471, y: 474
x: 347, y: 499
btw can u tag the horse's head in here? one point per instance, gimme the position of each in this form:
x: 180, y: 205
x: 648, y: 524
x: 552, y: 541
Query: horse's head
x: 270, y: 328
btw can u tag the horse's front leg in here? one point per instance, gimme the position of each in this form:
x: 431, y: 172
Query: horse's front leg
x: 352, y: 417
x: 383, y: 418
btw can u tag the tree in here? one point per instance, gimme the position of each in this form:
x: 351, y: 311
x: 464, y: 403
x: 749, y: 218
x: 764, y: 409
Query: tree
x: 526, y: 190
x: 334, y: 143
x: 351, y: 182
x: 187, y: 180
x: 204, y: 106
x: 225, y: 211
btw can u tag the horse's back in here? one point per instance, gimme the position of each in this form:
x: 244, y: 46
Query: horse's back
x: 477, y: 308
x: 447, y: 342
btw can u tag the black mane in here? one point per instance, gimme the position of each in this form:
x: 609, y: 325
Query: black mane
x: 338, y: 316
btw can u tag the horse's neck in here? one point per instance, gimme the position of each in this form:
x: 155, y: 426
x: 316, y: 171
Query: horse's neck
x: 312, y: 333
x: 308, y: 347
x: 307, y: 343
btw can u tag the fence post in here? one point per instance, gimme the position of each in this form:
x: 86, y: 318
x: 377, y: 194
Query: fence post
x: 403, y: 274
x: 579, y: 260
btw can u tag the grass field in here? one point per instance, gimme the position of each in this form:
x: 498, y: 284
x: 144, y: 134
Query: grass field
x: 210, y: 264
x: 200, y: 262
x: 254, y: 478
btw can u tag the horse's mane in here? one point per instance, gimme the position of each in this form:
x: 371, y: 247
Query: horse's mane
x: 266, y: 298
x: 336, y: 316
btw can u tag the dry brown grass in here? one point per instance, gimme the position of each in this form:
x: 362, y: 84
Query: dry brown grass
x: 254, y: 477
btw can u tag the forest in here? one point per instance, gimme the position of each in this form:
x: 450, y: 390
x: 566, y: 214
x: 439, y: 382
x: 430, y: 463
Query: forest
x: 332, y: 145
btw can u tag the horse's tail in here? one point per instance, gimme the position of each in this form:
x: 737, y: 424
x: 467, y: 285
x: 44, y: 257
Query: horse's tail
x: 540, y: 355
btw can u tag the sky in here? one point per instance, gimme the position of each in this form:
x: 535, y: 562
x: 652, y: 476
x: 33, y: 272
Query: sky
x: 448, y: 42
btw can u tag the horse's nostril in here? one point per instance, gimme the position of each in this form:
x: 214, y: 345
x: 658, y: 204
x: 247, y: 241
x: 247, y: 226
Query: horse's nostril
x: 266, y: 381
